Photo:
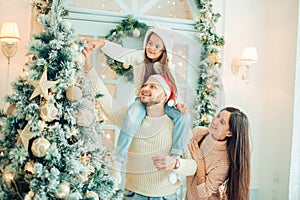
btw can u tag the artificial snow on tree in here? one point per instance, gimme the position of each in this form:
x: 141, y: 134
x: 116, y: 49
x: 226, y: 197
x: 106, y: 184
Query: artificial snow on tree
x: 44, y: 152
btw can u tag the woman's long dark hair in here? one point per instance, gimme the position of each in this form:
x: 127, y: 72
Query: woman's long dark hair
x: 238, y: 147
x: 149, y: 70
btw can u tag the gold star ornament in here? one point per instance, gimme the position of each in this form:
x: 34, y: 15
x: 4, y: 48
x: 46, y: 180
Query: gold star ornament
x: 24, y: 136
x: 41, y: 86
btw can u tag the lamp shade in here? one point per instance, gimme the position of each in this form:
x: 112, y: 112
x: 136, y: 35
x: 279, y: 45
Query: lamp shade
x: 249, y: 55
x: 9, y: 32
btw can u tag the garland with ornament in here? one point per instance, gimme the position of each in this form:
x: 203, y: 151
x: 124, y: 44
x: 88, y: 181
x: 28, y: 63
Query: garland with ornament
x: 128, y: 27
x: 209, y: 67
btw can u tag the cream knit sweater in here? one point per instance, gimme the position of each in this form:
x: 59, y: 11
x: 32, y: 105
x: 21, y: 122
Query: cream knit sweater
x: 154, y: 137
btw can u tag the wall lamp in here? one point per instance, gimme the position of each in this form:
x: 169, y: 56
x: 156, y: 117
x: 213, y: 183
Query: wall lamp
x: 240, y: 66
x: 9, y: 37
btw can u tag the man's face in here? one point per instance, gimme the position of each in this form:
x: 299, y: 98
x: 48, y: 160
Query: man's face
x: 152, y: 93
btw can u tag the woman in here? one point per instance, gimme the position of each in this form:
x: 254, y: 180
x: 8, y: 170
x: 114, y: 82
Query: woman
x: 222, y: 154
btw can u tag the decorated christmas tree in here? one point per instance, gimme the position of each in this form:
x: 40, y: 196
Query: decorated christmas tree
x: 51, y: 145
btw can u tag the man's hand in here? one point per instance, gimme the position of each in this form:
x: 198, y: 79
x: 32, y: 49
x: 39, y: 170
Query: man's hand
x: 182, y: 108
x: 164, y: 162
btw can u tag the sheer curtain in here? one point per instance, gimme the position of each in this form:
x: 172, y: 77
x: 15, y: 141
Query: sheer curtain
x: 294, y: 187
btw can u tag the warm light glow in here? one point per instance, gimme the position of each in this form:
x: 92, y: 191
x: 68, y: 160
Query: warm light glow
x: 9, y: 32
x: 249, y: 55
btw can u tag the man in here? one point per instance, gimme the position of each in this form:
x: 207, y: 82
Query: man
x: 149, y: 164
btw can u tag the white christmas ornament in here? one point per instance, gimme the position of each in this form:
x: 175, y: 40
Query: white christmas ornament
x: 136, y: 33
x: 48, y: 112
x: 85, y: 117
x: 40, y: 147
x: 74, y: 93
x: 173, y: 177
x: 63, y: 191
x: 92, y: 194
x: 171, y: 103
x: 79, y: 59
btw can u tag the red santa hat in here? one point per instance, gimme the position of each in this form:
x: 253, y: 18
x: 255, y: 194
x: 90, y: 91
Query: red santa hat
x: 166, y: 85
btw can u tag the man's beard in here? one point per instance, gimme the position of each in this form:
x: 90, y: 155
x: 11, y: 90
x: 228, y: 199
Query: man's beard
x: 151, y: 102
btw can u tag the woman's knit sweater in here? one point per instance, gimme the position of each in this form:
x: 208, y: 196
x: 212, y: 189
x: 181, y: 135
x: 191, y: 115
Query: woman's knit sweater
x: 216, y: 165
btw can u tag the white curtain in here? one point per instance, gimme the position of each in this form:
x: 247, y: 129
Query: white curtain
x: 294, y: 187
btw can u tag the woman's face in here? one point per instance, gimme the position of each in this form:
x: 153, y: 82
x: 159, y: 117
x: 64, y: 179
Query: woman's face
x: 219, y: 127
x: 154, y: 47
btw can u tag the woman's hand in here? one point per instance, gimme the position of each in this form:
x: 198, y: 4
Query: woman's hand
x: 195, y: 150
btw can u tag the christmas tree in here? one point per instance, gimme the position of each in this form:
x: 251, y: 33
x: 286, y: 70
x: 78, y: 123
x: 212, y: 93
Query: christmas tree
x: 51, y: 146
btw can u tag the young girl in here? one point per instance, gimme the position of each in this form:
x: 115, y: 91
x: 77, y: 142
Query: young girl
x: 222, y: 154
x: 154, y: 59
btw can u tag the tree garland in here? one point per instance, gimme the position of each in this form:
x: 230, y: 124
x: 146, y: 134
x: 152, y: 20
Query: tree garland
x: 128, y: 27
x: 204, y: 106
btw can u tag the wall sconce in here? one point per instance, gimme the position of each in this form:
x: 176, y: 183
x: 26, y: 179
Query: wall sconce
x: 9, y: 37
x: 240, y: 66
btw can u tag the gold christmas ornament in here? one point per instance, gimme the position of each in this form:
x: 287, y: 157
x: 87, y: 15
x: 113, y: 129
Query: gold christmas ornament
x: 48, y: 112
x: 136, y: 33
x: 40, y: 147
x: 85, y: 117
x: 10, y: 109
x: 92, y: 194
x: 41, y: 86
x: 29, y: 195
x: 74, y: 93
x: 125, y: 66
x: 29, y: 167
x: 7, y: 179
x: 24, y: 136
x: 63, y: 190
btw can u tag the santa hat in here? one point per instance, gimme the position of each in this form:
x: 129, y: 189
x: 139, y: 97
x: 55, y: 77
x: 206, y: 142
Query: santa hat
x: 166, y: 85
x: 167, y: 36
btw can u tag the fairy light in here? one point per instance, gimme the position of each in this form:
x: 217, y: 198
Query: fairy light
x: 8, y: 177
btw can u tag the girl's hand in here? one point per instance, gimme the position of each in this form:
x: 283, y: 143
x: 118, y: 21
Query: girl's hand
x: 195, y: 150
x: 94, y: 44
x: 182, y: 108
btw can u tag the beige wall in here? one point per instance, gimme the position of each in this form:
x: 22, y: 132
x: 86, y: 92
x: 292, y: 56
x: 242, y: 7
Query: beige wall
x: 18, y: 11
x: 268, y: 99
